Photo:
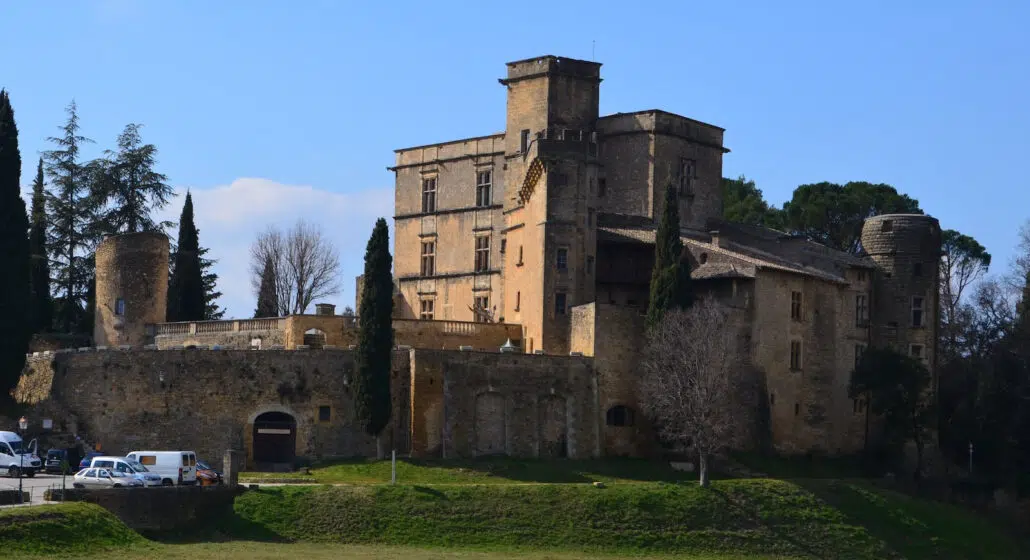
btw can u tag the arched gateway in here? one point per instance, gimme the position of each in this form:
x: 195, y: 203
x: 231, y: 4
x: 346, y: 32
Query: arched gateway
x: 275, y: 438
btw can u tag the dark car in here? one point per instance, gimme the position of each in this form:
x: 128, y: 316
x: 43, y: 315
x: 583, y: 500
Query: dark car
x: 57, y: 457
x: 88, y: 458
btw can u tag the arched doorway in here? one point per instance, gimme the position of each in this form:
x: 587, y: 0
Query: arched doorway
x: 314, y: 339
x: 275, y: 438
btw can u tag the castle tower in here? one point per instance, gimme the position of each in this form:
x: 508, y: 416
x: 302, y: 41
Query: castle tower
x: 131, y: 287
x: 906, y: 249
x: 551, y: 190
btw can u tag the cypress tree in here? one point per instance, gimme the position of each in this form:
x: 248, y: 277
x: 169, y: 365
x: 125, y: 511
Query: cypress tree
x: 41, y: 307
x: 14, y: 255
x: 267, y: 303
x: 375, y: 336
x: 212, y: 311
x: 670, y: 277
x: 186, y: 285
x: 71, y: 209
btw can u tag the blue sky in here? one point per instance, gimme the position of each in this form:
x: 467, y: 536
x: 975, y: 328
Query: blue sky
x: 270, y: 111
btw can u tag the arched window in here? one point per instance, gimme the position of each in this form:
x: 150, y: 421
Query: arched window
x: 619, y: 415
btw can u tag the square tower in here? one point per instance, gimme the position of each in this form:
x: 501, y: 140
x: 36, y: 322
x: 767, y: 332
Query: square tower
x: 550, y: 205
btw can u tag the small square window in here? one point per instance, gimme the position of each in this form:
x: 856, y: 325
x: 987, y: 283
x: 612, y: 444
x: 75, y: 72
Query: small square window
x: 324, y: 414
x: 916, y: 351
x: 427, y: 308
x: 886, y: 226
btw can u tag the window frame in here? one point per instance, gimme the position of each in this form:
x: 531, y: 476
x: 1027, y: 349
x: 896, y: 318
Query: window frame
x: 862, y: 309
x: 561, y: 258
x: 920, y: 309
x: 482, y: 253
x: 429, y: 190
x: 428, y: 258
x: 484, y: 189
x: 796, y: 305
x: 796, y: 362
x: 427, y: 309
x: 563, y: 308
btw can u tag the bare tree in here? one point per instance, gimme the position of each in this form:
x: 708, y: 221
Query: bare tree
x: 689, y: 380
x: 306, y: 263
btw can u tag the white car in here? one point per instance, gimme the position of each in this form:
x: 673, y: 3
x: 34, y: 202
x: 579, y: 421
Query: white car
x: 104, y: 478
x: 128, y: 467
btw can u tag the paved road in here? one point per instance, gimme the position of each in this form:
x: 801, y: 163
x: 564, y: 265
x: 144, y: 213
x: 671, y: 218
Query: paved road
x: 35, y: 486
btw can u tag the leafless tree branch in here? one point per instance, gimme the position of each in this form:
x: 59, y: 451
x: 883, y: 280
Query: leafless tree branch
x: 306, y: 263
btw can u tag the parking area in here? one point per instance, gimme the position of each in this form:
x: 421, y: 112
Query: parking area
x: 35, y: 486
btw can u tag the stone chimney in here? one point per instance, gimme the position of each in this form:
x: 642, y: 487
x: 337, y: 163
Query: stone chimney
x: 715, y: 237
x: 325, y: 309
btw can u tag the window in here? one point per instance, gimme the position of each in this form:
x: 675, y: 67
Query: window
x: 590, y: 217
x: 428, y: 258
x: 859, y: 350
x: 557, y: 180
x: 772, y: 398
x: 518, y: 300
x: 887, y: 225
x: 917, y: 269
x: 429, y: 194
x: 484, y: 181
x: 861, y: 310
x: 602, y: 186
x: 255, y: 343
x: 504, y: 245
x: 519, y: 263
x: 426, y: 311
x: 797, y: 409
x: 858, y: 406
x: 524, y: 141
x: 482, y: 306
x: 148, y: 460
x: 590, y: 265
x: 861, y: 276
x: 795, y: 355
x: 704, y: 258
x: 619, y: 416
x: 119, y: 307
x: 795, y: 306
x: 559, y: 303
x: 324, y: 414
x: 917, y: 311
x: 562, y: 259
x: 688, y: 172
x: 482, y: 254
x: 916, y: 351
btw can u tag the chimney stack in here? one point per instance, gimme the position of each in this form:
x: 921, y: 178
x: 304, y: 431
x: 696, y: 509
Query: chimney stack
x: 325, y: 309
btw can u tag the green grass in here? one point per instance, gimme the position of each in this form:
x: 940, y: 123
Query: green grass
x: 482, y: 471
x: 245, y: 550
x: 749, y: 517
x: 61, y: 529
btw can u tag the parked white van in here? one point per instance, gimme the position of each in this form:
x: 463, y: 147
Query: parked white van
x: 128, y: 467
x: 16, y: 458
x: 175, y: 467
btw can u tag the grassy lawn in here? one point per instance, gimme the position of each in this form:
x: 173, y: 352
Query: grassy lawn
x: 482, y: 471
x: 64, y: 529
x: 264, y: 551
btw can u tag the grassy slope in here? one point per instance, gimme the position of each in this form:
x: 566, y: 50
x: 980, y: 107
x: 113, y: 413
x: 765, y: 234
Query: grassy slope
x: 736, y: 517
x: 61, y: 529
x: 483, y: 471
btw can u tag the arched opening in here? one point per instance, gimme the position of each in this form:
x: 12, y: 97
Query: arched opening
x: 314, y: 339
x: 620, y: 416
x: 275, y: 438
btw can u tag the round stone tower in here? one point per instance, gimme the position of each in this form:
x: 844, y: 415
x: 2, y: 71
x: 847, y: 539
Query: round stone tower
x: 131, y: 289
x: 904, y: 301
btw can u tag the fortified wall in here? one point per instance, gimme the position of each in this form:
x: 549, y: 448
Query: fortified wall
x: 279, y: 405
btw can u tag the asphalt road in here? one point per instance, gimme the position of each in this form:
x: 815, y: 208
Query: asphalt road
x: 36, y: 485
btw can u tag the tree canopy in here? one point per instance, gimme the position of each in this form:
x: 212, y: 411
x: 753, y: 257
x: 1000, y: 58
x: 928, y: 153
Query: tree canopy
x: 14, y: 255
x: 670, y: 278
x: 126, y: 188
x: 186, y: 285
x: 372, y: 403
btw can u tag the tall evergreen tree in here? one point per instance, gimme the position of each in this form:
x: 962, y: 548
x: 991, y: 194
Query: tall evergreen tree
x: 670, y: 278
x: 71, y: 212
x: 212, y: 311
x: 186, y: 285
x: 266, y: 300
x: 14, y: 255
x: 375, y: 336
x: 127, y: 189
x: 41, y: 307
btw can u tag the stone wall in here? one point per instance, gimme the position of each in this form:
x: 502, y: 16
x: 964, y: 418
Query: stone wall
x: 206, y: 400
x: 153, y: 511
x: 475, y: 403
x: 131, y: 287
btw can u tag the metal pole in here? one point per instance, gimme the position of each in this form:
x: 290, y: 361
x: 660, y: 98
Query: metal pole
x: 21, y: 467
x: 970, y: 458
x: 393, y: 466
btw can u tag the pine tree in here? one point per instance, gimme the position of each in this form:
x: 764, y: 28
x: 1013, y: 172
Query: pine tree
x: 375, y: 336
x: 41, y: 307
x: 267, y: 304
x: 186, y: 285
x: 212, y: 311
x: 71, y: 234
x: 128, y: 189
x: 670, y: 277
x: 14, y: 255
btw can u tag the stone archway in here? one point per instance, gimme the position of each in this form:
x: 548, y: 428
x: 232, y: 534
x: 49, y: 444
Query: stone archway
x: 314, y: 339
x: 274, y: 438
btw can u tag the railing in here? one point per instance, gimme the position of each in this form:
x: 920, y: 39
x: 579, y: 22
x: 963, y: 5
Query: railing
x: 460, y: 328
x: 210, y: 327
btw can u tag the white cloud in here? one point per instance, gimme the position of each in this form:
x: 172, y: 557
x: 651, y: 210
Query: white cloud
x: 229, y: 217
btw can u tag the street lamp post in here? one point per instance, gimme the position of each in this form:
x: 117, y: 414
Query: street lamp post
x: 23, y: 424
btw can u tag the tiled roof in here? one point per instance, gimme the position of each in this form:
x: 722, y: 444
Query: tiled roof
x: 709, y: 271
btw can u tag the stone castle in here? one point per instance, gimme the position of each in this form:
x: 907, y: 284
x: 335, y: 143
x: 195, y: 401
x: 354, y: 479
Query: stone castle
x: 522, y: 261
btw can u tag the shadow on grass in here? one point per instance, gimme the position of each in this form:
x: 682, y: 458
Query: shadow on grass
x: 431, y: 491
x: 753, y: 515
x: 233, y: 528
